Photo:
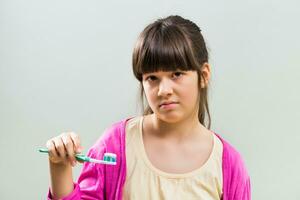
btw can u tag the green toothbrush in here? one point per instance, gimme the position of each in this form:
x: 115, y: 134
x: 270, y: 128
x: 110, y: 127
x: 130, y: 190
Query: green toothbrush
x: 108, y: 158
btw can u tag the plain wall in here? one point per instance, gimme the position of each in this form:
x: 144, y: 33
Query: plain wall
x: 66, y: 65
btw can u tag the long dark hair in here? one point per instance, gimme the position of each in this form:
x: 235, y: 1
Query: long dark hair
x: 169, y: 44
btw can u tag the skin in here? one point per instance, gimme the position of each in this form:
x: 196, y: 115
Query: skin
x: 166, y: 133
x: 61, y: 160
x: 175, y: 141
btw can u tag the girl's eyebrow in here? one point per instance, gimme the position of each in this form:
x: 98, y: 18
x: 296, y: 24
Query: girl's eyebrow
x: 156, y: 73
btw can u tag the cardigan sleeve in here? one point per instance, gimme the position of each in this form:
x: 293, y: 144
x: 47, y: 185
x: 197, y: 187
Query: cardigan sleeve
x: 240, y: 180
x: 247, y: 190
x: 236, y: 181
x: 90, y: 183
x: 240, y: 188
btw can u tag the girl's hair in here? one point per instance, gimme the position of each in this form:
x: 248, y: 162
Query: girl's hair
x: 170, y: 44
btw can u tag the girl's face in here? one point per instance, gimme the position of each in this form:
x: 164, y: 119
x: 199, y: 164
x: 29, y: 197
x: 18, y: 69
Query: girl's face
x: 172, y: 95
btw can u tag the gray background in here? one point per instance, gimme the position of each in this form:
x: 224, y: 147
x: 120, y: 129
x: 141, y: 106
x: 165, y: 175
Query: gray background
x: 66, y: 65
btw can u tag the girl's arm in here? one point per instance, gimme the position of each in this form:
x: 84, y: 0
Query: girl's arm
x: 62, y: 150
x: 61, y: 180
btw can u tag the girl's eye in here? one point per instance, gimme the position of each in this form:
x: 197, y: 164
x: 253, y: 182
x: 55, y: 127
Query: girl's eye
x: 151, y: 78
x: 177, y: 74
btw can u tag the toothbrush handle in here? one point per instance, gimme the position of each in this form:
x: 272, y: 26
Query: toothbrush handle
x: 79, y: 157
x: 43, y: 150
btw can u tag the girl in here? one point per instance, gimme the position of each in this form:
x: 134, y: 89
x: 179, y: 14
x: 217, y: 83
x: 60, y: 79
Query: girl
x: 169, y: 152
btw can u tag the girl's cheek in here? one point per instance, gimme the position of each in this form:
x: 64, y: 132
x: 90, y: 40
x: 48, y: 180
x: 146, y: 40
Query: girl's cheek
x: 151, y: 92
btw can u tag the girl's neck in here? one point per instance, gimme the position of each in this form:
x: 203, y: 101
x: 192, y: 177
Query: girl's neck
x: 187, y: 128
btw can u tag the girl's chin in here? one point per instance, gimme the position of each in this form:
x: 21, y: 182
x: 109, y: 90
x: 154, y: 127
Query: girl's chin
x: 169, y: 117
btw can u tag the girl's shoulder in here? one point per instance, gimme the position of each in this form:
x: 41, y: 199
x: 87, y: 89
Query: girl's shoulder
x: 236, y: 180
x: 232, y: 160
x: 228, y: 149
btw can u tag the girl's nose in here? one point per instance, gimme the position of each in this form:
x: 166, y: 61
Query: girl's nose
x: 165, y: 88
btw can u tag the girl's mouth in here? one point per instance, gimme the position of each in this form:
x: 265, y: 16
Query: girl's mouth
x: 168, y: 105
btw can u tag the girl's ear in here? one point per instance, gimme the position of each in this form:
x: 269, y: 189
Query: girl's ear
x: 205, y: 72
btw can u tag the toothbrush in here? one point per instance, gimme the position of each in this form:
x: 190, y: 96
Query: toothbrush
x: 108, y: 158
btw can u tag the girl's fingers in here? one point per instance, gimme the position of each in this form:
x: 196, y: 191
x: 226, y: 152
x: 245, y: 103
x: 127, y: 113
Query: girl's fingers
x: 51, y: 148
x: 63, y: 148
x: 77, y: 144
x: 60, y: 147
x: 69, y: 147
x: 76, y: 141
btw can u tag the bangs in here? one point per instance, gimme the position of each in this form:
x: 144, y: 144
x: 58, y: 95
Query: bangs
x: 164, y: 49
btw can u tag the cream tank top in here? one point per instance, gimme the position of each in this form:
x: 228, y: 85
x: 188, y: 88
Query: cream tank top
x: 146, y: 182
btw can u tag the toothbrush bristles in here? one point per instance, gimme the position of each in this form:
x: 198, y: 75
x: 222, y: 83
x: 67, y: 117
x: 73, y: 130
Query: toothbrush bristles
x: 102, y: 162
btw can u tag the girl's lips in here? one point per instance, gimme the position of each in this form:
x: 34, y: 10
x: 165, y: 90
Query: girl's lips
x: 168, y: 105
x: 167, y: 102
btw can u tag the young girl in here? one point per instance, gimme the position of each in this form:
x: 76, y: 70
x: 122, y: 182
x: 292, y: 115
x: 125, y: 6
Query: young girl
x: 168, y: 152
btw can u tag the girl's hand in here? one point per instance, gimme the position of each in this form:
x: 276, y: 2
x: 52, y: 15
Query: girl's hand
x: 62, y: 149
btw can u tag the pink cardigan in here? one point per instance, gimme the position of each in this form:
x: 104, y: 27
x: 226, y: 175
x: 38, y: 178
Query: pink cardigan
x: 99, y: 182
